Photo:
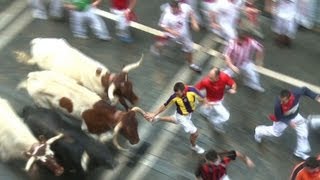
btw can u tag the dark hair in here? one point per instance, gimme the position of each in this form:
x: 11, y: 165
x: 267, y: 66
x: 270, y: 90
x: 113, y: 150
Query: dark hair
x: 211, y: 155
x: 216, y: 70
x: 174, y: 3
x: 179, y: 86
x: 285, y: 93
x: 312, y: 163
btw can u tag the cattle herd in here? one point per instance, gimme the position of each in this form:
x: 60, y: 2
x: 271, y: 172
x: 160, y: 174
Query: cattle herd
x: 75, y: 98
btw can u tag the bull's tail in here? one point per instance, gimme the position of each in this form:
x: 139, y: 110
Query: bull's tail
x: 85, y: 159
x: 23, y: 57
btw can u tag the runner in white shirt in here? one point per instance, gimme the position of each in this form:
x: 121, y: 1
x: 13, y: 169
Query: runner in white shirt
x: 175, y: 23
x: 224, y: 16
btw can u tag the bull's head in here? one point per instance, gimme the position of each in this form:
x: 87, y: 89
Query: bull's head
x: 121, y: 87
x: 128, y: 127
x: 41, y: 152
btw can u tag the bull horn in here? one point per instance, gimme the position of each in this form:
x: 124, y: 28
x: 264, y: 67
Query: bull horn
x: 115, y: 136
x: 137, y: 109
x: 85, y: 160
x: 31, y: 160
x: 53, y: 139
x: 129, y: 67
x: 111, y: 96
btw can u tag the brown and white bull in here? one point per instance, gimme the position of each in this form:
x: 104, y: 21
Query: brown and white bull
x: 50, y: 89
x: 59, y: 56
x: 17, y: 141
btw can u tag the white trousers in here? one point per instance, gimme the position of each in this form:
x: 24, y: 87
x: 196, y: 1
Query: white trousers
x: 217, y: 114
x: 185, y: 122
x: 306, y: 13
x: 55, y: 8
x: 251, y: 77
x: 278, y: 128
x: 122, y: 24
x: 284, y: 26
x: 314, y: 122
x: 78, y: 20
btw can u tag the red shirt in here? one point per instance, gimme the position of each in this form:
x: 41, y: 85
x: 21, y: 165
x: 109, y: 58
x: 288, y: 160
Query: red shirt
x: 215, y: 90
x: 119, y: 4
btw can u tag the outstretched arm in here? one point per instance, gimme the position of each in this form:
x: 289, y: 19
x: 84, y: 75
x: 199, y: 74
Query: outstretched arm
x: 245, y: 159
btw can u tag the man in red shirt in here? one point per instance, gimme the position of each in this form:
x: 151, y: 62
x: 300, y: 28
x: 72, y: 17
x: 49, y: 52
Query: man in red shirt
x: 123, y: 10
x: 214, y: 84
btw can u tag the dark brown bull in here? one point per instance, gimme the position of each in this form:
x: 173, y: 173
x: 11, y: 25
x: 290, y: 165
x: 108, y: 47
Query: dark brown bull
x: 104, y: 117
x: 41, y: 152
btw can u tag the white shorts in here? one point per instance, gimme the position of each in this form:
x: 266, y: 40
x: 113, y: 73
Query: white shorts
x: 185, y: 121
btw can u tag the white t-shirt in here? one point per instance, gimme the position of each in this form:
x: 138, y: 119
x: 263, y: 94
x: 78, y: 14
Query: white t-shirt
x: 286, y: 9
x: 226, y: 12
x: 178, y: 22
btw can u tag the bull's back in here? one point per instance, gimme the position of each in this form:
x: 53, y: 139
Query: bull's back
x: 52, y: 90
x: 15, y: 136
x: 57, y: 55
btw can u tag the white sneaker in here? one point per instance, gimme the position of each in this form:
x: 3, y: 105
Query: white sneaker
x: 301, y: 155
x: 257, y: 139
x: 154, y: 50
x: 197, y: 149
x: 195, y: 68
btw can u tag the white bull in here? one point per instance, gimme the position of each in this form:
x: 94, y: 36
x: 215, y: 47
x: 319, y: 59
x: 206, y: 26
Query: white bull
x: 50, y: 89
x: 59, y: 56
x: 17, y: 141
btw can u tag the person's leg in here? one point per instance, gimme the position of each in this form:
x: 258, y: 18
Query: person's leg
x: 122, y: 26
x: 76, y: 23
x: 187, y: 47
x: 222, y: 115
x: 251, y: 77
x: 56, y: 8
x: 303, y: 145
x: 98, y: 25
x: 38, y: 9
x: 275, y: 130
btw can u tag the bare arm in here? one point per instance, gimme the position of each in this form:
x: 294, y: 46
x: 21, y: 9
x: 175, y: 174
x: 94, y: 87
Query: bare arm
x: 194, y: 23
x: 233, y: 89
x: 245, y: 159
x: 259, y: 58
x: 230, y: 64
x: 151, y: 116
x: 96, y: 3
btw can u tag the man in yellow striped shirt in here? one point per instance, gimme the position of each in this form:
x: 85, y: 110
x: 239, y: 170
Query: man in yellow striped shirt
x: 184, y: 97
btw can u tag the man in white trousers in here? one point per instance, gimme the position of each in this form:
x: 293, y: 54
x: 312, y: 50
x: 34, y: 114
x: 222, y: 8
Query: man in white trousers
x: 214, y: 84
x: 286, y: 112
x: 238, y: 57
x: 81, y: 13
x: 123, y: 9
x: 39, y: 10
x: 285, y: 25
x: 175, y: 23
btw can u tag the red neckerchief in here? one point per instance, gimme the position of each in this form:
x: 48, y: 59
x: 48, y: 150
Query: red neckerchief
x: 287, y: 106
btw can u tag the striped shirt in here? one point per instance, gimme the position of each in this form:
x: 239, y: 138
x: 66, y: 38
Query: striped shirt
x: 241, y: 53
x: 185, y: 104
x: 210, y: 171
